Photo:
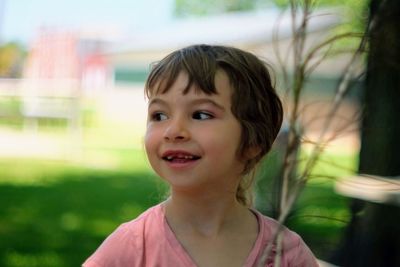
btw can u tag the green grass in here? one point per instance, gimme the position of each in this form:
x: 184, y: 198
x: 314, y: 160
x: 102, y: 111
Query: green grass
x: 55, y: 213
x: 320, y: 215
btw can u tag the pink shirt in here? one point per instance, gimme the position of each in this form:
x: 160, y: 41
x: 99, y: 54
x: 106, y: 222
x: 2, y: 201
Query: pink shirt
x: 148, y: 241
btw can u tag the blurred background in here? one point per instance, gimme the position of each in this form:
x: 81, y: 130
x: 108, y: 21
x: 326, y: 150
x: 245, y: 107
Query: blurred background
x: 73, y: 113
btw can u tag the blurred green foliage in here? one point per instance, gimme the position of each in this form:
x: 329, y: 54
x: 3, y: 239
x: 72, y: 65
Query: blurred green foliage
x: 187, y: 8
x: 355, y: 10
x: 354, y: 19
x: 11, y: 59
x: 320, y: 215
x: 10, y: 112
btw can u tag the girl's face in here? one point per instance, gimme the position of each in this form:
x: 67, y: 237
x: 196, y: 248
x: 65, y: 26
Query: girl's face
x: 192, y: 140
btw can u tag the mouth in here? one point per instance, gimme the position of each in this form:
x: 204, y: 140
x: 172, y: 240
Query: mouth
x: 179, y: 157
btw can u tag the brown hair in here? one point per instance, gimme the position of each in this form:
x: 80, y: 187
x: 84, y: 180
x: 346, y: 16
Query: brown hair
x: 255, y: 102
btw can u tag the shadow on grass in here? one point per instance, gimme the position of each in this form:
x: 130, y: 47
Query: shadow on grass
x: 61, y: 223
x: 55, y: 214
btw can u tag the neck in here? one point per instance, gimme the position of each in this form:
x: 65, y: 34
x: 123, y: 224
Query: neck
x: 206, y: 213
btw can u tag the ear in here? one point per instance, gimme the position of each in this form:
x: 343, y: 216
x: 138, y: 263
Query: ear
x: 252, y: 152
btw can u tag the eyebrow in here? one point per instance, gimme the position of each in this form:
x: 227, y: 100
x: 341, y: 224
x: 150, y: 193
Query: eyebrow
x: 197, y: 101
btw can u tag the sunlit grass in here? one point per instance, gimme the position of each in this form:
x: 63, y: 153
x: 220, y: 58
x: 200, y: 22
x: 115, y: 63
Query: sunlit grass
x: 29, y: 171
x: 47, y: 259
x: 55, y: 213
x: 330, y: 166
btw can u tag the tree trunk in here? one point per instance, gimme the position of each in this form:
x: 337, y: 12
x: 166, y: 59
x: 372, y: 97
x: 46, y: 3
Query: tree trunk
x: 373, y: 236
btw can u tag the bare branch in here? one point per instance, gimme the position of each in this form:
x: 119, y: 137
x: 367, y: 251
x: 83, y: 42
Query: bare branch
x: 304, y: 63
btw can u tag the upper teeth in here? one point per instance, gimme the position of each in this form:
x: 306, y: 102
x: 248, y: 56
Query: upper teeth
x: 180, y: 156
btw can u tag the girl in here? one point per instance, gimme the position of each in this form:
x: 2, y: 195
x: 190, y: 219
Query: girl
x: 212, y: 115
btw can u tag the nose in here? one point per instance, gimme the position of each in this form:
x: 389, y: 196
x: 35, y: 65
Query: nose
x: 176, y: 131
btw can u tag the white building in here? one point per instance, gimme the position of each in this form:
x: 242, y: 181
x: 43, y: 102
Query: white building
x: 252, y: 31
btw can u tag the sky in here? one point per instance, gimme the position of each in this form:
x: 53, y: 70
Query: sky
x: 20, y: 20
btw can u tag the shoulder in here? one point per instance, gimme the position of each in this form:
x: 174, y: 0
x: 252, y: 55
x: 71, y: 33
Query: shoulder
x: 132, y: 232
x: 270, y: 227
x: 126, y: 243
x: 294, y: 251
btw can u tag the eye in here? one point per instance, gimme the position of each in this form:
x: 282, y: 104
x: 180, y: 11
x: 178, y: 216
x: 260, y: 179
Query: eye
x: 201, y: 115
x: 158, y: 116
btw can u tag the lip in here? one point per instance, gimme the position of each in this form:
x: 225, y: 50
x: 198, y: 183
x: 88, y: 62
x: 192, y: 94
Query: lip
x: 190, y: 160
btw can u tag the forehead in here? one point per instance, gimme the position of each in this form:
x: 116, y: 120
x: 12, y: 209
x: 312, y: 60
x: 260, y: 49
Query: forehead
x: 185, y: 85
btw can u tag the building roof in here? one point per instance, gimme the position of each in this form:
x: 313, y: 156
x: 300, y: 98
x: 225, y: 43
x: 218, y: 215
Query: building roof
x: 238, y: 28
x: 252, y: 31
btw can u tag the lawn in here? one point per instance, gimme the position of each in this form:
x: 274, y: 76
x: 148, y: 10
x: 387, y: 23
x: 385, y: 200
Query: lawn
x: 320, y: 215
x: 55, y: 213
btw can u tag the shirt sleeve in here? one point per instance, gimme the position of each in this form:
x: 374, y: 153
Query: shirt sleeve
x: 303, y: 256
x: 117, y: 250
x: 91, y: 263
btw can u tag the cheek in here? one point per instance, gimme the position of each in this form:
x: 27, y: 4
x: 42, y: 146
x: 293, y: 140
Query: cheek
x: 235, y: 141
x: 226, y: 143
x: 151, y: 144
x: 151, y: 139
